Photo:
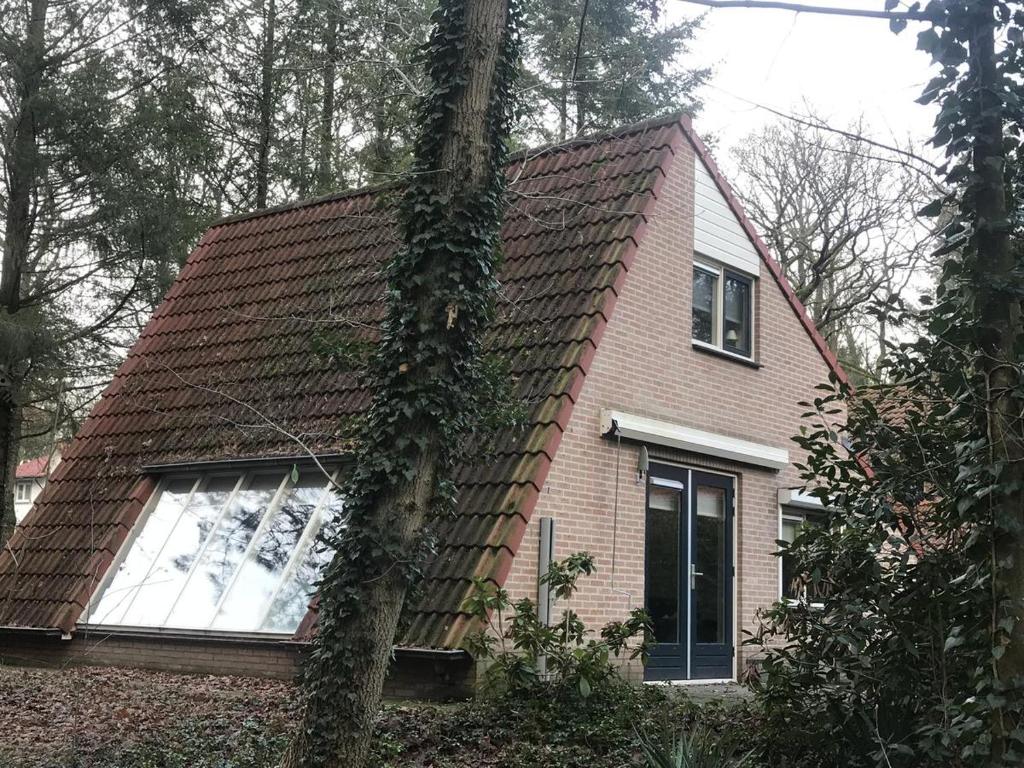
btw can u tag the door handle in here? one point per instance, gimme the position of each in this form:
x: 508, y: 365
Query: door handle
x: 694, y: 573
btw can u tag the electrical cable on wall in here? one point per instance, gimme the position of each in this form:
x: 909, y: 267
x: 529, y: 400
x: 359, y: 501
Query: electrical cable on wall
x: 615, y: 519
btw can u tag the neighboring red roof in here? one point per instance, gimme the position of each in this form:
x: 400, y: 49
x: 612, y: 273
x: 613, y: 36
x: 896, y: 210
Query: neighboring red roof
x: 226, y: 367
x: 37, y: 467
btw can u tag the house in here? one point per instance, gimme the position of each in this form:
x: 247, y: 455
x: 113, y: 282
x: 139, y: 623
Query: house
x: 655, y: 343
x: 31, y: 476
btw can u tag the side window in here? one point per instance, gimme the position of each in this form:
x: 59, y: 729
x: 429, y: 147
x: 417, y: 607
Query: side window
x: 723, y: 309
x: 23, y: 491
x: 795, y: 585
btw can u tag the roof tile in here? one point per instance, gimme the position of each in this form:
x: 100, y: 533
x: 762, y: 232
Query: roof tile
x: 234, y: 334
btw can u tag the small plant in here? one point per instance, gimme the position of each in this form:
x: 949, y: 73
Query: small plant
x: 698, y: 748
x: 525, y: 653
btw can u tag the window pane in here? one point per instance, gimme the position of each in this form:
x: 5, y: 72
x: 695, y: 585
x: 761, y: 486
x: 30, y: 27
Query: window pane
x: 709, y: 560
x: 292, y: 601
x: 132, y: 572
x: 705, y: 291
x: 736, y: 335
x: 790, y: 588
x: 262, y: 570
x: 790, y: 527
x: 181, y: 547
x: 224, y: 553
x: 661, y: 570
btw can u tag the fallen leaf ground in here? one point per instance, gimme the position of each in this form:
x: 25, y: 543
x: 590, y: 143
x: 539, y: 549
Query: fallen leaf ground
x: 120, y: 718
x: 93, y: 716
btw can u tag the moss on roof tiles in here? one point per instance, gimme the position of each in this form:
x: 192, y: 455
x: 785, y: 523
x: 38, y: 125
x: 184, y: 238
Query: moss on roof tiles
x: 236, y: 326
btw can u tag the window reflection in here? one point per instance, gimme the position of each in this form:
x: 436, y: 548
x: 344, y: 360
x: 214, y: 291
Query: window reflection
x: 132, y: 574
x: 291, y: 602
x: 736, y: 337
x: 709, y: 564
x: 261, y: 572
x: 225, y: 552
x: 661, y: 578
x: 705, y: 291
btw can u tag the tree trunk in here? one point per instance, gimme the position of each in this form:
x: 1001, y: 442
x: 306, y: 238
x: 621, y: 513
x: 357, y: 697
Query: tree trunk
x: 266, y: 118
x: 22, y: 167
x: 999, y: 327
x: 10, y: 432
x: 563, y: 111
x: 440, y: 285
x: 325, y: 181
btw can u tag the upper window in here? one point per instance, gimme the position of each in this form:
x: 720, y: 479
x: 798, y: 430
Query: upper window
x: 224, y: 551
x: 723, y: 303
x: 23, y: 491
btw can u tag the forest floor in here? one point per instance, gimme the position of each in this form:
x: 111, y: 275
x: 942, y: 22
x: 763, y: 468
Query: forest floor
x: 118, y: 718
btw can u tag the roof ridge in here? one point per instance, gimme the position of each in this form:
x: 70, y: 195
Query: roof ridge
x: 595, y: 137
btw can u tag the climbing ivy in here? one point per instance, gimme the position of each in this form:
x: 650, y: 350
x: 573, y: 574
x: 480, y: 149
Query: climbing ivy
x: 430, y: 383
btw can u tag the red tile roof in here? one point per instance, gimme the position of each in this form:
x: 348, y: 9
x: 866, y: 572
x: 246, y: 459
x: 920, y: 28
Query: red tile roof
x: 226, y: 367
x: 37, y: 467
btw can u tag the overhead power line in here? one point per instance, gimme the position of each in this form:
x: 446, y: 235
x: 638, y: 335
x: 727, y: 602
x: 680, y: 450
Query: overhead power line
x: 821, y: 9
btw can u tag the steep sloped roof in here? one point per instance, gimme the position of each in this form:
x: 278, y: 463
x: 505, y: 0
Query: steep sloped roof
x: 227, y: 366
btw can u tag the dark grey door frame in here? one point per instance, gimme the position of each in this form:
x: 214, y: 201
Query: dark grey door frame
x: 686, y: 659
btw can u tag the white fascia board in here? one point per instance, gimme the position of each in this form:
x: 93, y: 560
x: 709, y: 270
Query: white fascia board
x: 793, y: 497
x: 657, y: 432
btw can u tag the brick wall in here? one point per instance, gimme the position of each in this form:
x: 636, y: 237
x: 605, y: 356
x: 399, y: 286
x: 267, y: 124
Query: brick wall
x: 413, y: 675
x: 647, y: 366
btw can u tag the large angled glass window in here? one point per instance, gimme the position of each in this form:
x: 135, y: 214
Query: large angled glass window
x: 235, y: 552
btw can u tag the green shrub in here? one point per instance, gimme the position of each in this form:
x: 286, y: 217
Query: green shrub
x: 523, y: 653
x: 700, y: 747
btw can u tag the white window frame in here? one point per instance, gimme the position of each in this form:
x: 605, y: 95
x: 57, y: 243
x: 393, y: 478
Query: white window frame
x: 23, y: 491
x: 794, y: 515
x: 720, y: 272
x: 198, y: 477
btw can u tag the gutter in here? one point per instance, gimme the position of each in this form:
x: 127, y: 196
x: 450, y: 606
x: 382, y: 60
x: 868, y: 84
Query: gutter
x: 441, y: 654
x: 34, y: 632
x: 246, y: 463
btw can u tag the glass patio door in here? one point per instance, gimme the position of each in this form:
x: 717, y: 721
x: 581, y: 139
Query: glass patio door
x: 688, y: 572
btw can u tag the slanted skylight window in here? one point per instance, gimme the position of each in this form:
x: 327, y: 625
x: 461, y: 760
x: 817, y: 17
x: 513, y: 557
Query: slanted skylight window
x: 228, y: 551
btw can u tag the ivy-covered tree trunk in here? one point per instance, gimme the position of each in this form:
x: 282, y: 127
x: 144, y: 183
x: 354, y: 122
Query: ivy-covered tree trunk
x: 996, y: 279
x: 426, y: 375
x: 9, y: 432
x: 22, y: 161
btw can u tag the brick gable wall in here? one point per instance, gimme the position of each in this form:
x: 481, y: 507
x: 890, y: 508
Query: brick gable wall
x: 646, y: 365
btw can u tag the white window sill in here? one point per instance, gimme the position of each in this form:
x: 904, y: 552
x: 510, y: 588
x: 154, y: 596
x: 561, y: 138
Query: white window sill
x: 703, y: 346
x: 797, y: 601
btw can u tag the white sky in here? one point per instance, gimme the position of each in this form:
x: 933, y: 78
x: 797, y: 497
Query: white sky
x: 842, y: 66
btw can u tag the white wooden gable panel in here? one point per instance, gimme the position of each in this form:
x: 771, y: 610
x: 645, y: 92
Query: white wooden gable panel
x: 716, y: 232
